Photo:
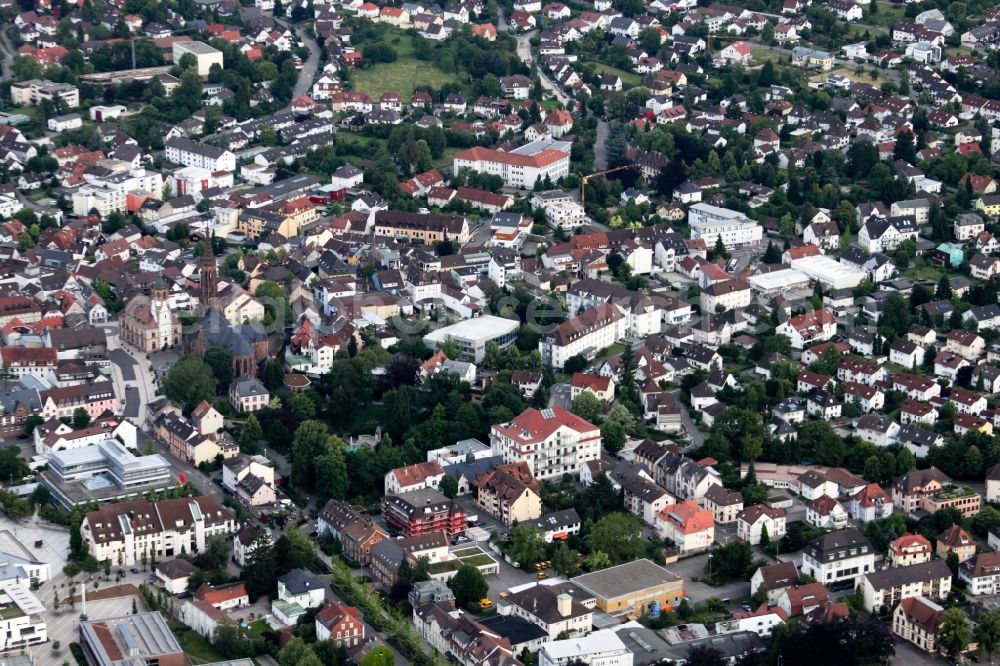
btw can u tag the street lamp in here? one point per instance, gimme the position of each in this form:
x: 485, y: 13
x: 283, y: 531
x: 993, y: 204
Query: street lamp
x: 710, y: 566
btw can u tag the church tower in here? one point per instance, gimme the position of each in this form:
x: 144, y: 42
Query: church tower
x: 209, y: 276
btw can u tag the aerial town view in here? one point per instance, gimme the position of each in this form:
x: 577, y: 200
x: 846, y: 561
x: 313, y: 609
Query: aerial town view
x: 499, y: 332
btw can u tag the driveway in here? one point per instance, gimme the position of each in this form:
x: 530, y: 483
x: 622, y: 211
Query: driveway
x: 559, y: 396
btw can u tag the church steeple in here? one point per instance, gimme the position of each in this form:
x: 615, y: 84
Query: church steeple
x: 209, y: 275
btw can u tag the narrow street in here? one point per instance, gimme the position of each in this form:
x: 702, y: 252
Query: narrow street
x: 697, y: 439
x: 308, y: 72
x: 600, y: 146
x: 8, y: 56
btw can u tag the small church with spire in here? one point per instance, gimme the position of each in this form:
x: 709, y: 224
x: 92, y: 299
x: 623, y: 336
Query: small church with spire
x: 247, y: 342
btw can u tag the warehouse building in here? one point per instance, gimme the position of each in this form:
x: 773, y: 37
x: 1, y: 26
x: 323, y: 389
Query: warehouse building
x: 632, y: 587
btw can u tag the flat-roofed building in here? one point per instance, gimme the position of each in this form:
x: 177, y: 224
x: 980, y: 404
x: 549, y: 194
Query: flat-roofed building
x: 140, y: 638
x: 204, y: 55
x: 473, y: 335
x: 632, y: 587
x: 710, y: 223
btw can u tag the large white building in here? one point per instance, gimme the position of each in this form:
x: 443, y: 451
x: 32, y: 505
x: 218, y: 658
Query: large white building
x: 473, y: 335
x: 838, y: 557
x: 180, y: 150
x: 584, y: 334
x: 30, y: 93
x: 518, y: 169
x: 552, y: 442
x: 734, y: 228
x: 204, y: 55
x: 828, y: 271
x: 121, y: 533
x: 601, y: 648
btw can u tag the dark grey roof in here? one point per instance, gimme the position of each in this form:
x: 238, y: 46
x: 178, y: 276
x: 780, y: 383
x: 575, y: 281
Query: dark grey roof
x: 898, y: 576
x: 300, y: 581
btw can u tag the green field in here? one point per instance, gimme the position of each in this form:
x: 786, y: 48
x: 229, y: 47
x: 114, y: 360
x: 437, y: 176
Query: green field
x: 402, y: 76
x: 629, y: 79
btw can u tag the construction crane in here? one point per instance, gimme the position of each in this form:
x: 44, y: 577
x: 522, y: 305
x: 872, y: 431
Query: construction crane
x: 584, y: 179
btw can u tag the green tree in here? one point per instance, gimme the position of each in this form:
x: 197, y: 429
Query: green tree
x: 81, y: 418
x: 228, y: 640
x: 468, y: 584
x: 613, y: 436
x: 331, y: 471
x: 527, y: 545
x: 987, y: 633
x: 587, y: 406
x: 221, y: 362
x: 190, y: 381
x: 597, y: 560
x: 311, y: 440
x: 448, y: 486
x: 251, y: 433
x: 619, y: 535
x: 954, y: 631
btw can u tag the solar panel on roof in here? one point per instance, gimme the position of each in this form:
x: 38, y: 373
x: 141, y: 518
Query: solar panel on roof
x: 548, y: 413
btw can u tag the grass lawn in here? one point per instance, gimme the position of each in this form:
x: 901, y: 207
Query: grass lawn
x: 760, y: 56
x: 478, y: 560
x: 629, y: 79
x: 401, y: 76
x: 608, y: 352
x: 196, y: 646
x: 887, y: 15
x: 924, y: 272
x: 442, y: 567
x: 446, y: 158
x: 256, y: 628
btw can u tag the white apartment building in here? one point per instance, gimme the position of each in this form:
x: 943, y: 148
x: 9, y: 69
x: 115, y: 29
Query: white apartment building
x: 180, y: 150
x: 712, y: 222
x: 585, y: 334
x: 753, y: 520
x: 30, y: 93
x: 516, y: 169
x: 121, y: 533
x: 555, y: 613
x: 240, y: 467
x: 884, y: 589
x: 838, y: 556
x: 552, y: 442
x: 102, y: 199
x: 727, y: 295
x: 566, y: 216
x: 981, y: 573
x: 601, y: 648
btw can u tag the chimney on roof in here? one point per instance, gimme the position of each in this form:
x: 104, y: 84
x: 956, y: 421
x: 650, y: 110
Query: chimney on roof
x: 564, y: 604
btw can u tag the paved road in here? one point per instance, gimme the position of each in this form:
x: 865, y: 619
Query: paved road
x: 130, y: 365
x: 308, y: 72
x: 132, y: 403
x: 8, y: 56
x: 126, y: 364
x: 600, y: 146
x: 697, y: 439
